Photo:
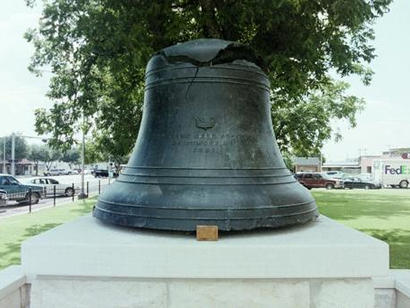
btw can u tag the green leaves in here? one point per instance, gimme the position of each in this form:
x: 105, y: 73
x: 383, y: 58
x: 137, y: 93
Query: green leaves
x: 47, y: 155
x: 97, y: 51
x: 303, y: 125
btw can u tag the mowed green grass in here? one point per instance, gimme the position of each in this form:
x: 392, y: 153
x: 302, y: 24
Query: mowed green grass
x: 14, y: 230
x: 384, y: 214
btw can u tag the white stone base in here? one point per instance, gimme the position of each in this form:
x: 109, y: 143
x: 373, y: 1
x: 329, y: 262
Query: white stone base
x: 293, y: 293
x: 393, y: 291
x: 14, y: 292
x: 88, y: 264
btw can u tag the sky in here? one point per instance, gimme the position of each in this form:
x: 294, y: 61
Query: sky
x: 21, y: 92
x: 384, y: 123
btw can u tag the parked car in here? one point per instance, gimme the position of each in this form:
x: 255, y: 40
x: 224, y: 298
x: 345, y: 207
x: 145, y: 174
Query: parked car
x: 87, y: 171
x: 61, y: 188
x: 364, y: 176
x: 18, y: 191
x: 335, y: 174
x: 54, y: 172
x: 103, y: 173
x: 317, y: 180
x: 73, y: 171
x: 356, y: 182
x: 3, y: 197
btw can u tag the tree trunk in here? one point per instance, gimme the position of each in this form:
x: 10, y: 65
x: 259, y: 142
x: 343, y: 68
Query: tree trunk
x: 210, y: 26
x: 48, y: 165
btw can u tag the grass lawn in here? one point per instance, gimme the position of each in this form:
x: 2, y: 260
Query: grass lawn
x: 14, y: 230
x: 384, y: 214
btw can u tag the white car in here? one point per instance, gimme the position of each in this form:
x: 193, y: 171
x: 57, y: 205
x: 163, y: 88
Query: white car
x: 335, y: 174
x: 60, y: 189
x: 55, y: 172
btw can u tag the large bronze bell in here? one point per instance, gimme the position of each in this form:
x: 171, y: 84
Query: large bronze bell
x: 206, y: 153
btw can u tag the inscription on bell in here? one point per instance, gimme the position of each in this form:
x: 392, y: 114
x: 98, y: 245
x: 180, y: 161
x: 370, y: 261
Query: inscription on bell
x: 211, y: 142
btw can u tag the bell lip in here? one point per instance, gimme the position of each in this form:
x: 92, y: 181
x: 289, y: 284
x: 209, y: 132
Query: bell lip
x: 125, y: 204
x: 226, y: 225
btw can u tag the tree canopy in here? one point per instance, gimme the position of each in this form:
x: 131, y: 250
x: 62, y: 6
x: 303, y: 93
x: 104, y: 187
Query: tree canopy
x: 71, y: 156
x: 43, y: 153
x: 97, y: 51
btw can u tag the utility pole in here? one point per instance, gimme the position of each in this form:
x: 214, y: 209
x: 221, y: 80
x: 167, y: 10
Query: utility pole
x: 4, y: 154
x: 13, y: 148
x: 320, y: 162
x: 109, y: 169
x: 82, y: 195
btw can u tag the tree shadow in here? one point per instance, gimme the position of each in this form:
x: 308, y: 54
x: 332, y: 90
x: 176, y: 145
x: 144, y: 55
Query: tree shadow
x: 83, y: 208
x: 37, y: 229
x: 13, y: 248
x: 399, y: 244
x: 11, y: 254
x: 347, y: 206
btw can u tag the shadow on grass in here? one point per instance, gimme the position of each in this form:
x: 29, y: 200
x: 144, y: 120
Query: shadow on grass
x: 10, y: 252
x: 399, y: 243
x: 347, y: 206
x: 10, y: 255
x: 37, y: 229
x: 83, y: 208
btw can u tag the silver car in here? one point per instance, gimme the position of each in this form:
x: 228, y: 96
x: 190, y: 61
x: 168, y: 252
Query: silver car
x: 54, y: 172
x: 61, y: 189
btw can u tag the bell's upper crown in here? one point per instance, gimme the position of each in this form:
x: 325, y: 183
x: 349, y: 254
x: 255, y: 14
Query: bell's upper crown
x: 204, y: 52
x: 201, y: 50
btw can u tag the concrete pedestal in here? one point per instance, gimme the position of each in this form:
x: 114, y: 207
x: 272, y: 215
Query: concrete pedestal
x: 88, y: 264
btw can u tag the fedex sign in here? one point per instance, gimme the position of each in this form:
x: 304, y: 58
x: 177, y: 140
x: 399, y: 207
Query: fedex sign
x: 403, y: 169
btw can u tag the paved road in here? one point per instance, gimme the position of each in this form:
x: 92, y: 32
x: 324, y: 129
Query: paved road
x: 94, y: 185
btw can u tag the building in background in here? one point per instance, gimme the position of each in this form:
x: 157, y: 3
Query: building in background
x: 306, y: 164
x: 362, y: 165
x: 351, y: 167
x: 396, y: 153
x: 366, y: 163
x: 23, y: 167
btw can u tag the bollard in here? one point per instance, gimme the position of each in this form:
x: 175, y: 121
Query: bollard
x: 29, y: 200
x: 87, y: 189
x: 54, y: 195
x: 99, y: 187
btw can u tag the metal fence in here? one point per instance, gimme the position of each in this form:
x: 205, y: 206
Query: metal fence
x: 51, y: 195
